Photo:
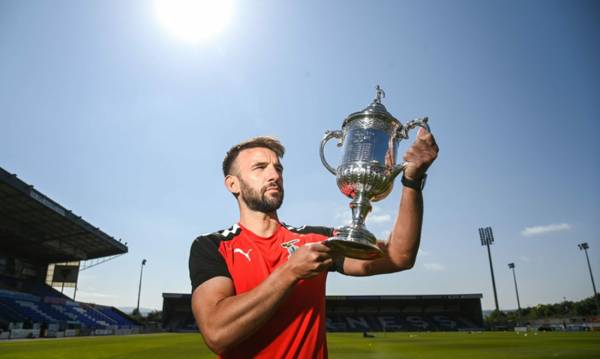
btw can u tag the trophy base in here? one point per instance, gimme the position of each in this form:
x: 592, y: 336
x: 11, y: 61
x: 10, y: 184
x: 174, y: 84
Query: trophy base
x: 353, y: 242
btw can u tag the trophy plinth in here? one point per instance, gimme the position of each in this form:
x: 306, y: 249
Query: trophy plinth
x: 367, y: 172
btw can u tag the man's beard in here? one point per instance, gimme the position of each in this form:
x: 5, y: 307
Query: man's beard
x: 259, y: 201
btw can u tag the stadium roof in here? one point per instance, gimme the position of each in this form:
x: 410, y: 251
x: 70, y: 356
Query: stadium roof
x: 35, y: 227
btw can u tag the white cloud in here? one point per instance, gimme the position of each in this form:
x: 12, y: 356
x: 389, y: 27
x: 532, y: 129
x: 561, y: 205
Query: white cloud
x: 434, y: 266
x: 549, y: 228
x: 344, y: 216
x: 379, y: 218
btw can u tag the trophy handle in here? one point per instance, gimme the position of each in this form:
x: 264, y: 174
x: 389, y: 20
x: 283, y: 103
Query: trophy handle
x: 328, y: 136
x: 403, y: 134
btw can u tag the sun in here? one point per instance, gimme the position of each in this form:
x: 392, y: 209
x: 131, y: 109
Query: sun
x: 194, y: 21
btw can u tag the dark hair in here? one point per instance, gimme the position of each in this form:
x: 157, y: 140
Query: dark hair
x: 262, y: 141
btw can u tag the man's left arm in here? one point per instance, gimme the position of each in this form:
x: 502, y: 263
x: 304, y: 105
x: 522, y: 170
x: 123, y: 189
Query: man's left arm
x: 400, y: 251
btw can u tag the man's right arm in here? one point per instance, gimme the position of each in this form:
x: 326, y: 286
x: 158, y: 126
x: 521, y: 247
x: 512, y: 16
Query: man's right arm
x: 226, y: 319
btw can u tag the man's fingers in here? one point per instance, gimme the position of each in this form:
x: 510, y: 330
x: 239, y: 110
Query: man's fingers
x: 430, y: 140
x: 318, y: 246
x: 425, y: 140
x: 425, y: 137
x: 315, y: 252
x: 322, y: 266
x: 318, y: 256
x: 327, y: 263
x: 323, y: 257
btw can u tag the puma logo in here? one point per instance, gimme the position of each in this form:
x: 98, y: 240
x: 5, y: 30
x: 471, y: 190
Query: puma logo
x: 245, y: 254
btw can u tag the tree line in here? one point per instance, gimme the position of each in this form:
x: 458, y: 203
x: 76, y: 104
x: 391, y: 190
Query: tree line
x: 562, y: 310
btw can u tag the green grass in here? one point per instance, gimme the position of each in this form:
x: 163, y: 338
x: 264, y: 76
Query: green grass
x: 341, y: 345
x: 464, y: 345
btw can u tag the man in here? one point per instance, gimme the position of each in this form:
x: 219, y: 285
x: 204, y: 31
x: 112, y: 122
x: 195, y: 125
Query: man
x: 258, y: 288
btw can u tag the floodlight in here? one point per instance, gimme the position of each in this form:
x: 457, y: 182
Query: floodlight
x: 487, y: 238
x: 140, y: 287
x: 584, y: 247
x: 512, y: 266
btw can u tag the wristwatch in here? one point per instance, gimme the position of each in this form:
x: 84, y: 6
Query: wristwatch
x: 414, y: 184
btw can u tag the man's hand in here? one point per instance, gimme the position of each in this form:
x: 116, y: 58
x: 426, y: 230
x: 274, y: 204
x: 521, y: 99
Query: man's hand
x: 309, y: 260
x: 420, y: 155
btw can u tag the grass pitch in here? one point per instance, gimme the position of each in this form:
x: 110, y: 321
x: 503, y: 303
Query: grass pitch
x: 341, y: 345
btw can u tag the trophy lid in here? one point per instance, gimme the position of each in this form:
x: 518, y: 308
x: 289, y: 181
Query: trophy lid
x: 375, y: 109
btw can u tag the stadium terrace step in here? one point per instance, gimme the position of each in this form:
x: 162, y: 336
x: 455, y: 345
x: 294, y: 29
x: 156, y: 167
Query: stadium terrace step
x: 34, y: 308
x: 18, y: 295
x: 26, y: 307
x: 9, y: 314
x: 121, y: 321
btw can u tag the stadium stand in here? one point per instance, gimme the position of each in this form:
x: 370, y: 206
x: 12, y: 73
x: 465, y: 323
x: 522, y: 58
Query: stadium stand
x: 35, y: 233
x: 177, y: 313
x: 367, y: 313
x: 404, y: 313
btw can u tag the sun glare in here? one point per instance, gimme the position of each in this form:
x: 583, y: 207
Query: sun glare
x: 194, y: 21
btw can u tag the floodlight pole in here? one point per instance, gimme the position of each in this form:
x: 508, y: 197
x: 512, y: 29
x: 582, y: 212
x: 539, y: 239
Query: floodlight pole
x: 512, y: 266
x: 487, y: 238
x: 140, y: 287
x: 493, y: 279
x: 584, y: 247
x: 75, y: 291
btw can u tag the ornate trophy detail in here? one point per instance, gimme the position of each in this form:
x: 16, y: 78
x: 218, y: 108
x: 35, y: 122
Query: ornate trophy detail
x: 367, y: 172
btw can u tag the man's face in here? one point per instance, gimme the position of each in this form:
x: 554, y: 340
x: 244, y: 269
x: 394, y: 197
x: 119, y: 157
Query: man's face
x: 260, y: 177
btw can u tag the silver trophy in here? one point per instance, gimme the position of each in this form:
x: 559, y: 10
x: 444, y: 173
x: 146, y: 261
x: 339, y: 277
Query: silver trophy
x: 367, y: 172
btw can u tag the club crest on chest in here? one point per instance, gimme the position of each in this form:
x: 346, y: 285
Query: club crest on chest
x: 291, y: 246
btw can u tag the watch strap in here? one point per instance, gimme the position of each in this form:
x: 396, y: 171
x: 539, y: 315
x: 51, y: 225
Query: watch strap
x: 417, y: 184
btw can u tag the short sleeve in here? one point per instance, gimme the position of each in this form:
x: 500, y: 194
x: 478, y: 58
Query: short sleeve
x: 206, y: 261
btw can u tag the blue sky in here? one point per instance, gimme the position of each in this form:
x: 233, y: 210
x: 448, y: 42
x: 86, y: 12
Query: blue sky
x: 108, y: 114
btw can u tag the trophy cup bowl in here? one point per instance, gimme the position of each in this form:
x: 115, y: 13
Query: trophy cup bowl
x: 366, y: 174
